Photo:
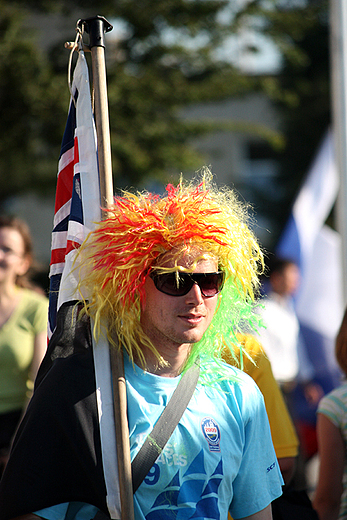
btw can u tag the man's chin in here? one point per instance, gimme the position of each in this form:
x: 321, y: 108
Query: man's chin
x: 193, y: 337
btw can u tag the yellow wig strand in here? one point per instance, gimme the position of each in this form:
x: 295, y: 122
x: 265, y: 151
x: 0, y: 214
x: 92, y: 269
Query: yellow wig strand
x: 140, y: 228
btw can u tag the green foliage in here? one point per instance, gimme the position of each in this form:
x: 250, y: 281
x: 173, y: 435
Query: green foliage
x: 302, y: 93
x: 166, y: 59
x: 28, y: 99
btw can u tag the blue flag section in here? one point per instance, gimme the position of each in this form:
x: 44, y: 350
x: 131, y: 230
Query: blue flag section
x: 316, y: 248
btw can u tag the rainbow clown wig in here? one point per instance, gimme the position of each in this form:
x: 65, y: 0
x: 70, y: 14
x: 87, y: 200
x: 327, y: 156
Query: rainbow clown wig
x: 139, y: 229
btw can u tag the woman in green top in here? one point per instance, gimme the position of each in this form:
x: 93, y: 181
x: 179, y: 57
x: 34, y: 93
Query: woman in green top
x: 23, y: 328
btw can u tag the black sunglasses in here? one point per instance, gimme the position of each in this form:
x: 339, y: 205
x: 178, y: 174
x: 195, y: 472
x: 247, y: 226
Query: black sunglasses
x: 179, y: 284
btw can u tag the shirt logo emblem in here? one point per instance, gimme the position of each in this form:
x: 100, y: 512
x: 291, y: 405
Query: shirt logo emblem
x: 211, y: 432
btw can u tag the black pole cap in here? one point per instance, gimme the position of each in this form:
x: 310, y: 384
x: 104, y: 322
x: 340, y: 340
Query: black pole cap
x: 96, y: 27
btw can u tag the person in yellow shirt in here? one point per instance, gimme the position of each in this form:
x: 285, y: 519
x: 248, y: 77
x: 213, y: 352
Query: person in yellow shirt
x: 257, y: 365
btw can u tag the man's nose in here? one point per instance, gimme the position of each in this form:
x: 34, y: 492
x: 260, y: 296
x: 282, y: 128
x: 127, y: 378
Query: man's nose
x: 194, y: 295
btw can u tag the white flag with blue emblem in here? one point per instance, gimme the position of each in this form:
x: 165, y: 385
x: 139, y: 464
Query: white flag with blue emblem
x: 316, y: 248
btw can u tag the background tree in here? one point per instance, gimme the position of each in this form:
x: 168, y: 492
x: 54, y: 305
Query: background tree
x: 305, y: 103
x: 28, y: 97
x: 166, y: 57
x: 301, y: 93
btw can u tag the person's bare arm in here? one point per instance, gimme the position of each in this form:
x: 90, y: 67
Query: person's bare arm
x: 40, y: 347
x: 264, y: 514
x: 287, y: 466
x: 331, y: 453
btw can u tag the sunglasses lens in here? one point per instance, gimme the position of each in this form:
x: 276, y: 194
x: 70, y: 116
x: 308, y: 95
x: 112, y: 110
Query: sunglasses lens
x: 169, y: 283
x: 210, y: 284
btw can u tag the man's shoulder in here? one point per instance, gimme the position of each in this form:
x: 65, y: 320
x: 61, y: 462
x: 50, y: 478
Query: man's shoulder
x: 224, y: 377
x: 242, y: 395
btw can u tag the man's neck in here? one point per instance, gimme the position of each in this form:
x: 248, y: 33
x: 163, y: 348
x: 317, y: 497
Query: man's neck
x: 173, y: 360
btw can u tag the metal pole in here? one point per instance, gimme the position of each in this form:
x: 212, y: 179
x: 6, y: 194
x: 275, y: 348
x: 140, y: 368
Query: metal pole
x: 96, y: 27
x: 338, y: 53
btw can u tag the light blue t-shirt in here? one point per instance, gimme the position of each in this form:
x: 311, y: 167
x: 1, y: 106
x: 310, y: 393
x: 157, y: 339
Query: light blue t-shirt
x: 220, y: 458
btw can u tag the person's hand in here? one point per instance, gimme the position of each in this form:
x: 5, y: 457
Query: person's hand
x: 313, y: 393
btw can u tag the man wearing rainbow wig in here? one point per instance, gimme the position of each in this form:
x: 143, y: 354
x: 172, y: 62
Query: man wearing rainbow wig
x: 171, y: 280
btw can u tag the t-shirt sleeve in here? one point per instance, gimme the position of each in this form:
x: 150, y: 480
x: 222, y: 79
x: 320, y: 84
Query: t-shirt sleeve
x: 40, y: 315
x: 35, y: 311
x: 283, y: 434
x: 258, y: 366
x: 259, y: 480
x: 333, y: 406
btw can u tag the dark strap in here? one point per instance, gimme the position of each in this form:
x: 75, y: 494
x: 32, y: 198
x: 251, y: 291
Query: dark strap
x: 165, y: 425
x: 101, y: 516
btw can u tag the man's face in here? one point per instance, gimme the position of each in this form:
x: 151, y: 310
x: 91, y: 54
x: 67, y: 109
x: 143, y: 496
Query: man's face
x: 287, y: 282
x: 173, y: 321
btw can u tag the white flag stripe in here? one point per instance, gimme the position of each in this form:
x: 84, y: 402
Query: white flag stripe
x: 76, y: 232
x: 65, y: 159
x: 62, y: 213
x: 57, y: 268
x: 59, y: 239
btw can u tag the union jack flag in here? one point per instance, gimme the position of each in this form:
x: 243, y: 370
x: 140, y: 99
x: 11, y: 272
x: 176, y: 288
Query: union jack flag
x: 77, y: 201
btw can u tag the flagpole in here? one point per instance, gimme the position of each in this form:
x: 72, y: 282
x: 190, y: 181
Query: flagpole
x: 338, y: 52
x: 96, y: 27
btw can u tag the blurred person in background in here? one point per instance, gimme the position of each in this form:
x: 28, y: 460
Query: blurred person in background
x: 292, y: 504
x: 330, y: 500
x: 280, y: 336
x: 257, y: 365
x: 23, y: 328
x: 284, y: 346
